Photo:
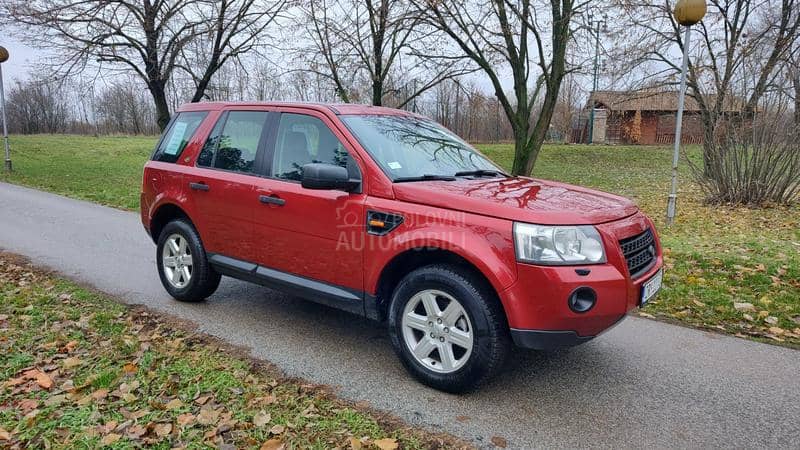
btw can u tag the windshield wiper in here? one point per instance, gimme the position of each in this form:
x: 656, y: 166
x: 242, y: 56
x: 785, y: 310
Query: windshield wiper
x: 481, y: 173
x: 426, y: 177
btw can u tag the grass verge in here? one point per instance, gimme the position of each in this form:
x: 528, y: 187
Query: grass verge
x: 82, y: 371
x: 733, y: 270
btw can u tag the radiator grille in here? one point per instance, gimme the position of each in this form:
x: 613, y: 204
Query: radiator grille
x: 640, y: 252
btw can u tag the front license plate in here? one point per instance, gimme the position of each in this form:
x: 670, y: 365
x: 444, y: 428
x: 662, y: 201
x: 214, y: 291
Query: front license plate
x: 651, y: 286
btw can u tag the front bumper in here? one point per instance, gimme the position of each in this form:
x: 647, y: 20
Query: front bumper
x: 552, y: 340
x: 536, y: 304
x: 547, y: 340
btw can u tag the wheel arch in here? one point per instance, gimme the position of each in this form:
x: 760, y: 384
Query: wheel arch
x: 163, y: 214
x: 409, y: 260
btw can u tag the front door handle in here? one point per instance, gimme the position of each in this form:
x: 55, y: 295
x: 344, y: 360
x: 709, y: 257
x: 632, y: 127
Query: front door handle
x: 271, y: 200
x: 199, y: 186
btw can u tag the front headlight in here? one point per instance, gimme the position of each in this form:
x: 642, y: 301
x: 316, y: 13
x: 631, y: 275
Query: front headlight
x: 558, y: 245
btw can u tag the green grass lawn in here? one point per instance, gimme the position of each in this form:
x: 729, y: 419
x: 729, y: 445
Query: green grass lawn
x: 716, y: 256
x: 79, y: 370
x: 106, y: 170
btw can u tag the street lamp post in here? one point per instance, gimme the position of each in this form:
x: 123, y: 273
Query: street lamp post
x: 595, y: 26
x: 687, y: 13
x: 4, y: 58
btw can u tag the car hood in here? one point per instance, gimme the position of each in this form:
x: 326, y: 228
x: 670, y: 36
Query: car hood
x: 520, y: 199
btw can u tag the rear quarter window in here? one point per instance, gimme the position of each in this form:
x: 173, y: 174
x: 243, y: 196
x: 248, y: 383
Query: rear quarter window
x: 180, y: 130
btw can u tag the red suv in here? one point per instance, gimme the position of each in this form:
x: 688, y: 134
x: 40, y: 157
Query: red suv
x: 388, y: 215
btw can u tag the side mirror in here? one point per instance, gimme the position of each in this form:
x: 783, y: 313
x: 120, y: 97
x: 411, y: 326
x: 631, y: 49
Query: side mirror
x: 328, y: 177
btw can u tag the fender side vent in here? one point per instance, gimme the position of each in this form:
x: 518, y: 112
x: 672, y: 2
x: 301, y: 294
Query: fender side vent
x: 381, y: 223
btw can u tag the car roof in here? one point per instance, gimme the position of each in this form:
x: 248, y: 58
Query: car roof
x: 336, y: 108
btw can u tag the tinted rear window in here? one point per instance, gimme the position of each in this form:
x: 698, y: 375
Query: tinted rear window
x: 177, y: 135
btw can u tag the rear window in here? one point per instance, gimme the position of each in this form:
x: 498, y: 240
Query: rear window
x: 177, y: 135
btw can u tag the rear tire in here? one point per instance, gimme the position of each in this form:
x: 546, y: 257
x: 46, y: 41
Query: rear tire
x: 182, y: 263
x: 448, y: 328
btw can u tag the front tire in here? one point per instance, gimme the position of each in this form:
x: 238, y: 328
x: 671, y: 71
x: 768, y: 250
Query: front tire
x: 182, y: 263
x: 448, y: 328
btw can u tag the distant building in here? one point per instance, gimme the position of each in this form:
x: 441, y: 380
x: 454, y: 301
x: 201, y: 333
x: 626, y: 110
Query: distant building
x: 638, y: 117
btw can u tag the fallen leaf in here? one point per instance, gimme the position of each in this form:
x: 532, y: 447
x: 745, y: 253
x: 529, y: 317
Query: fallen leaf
x: 72, y: 362
x: 185, y: 419
x: 136, y: 431
x: 743, y: 306
x: 462, y: 418
x: 776, y: 330
x: 108, y: 427
x: 202, y: 400
x: 748, y: 317
x: 70, y: 346
x: 262, y: 418
x: 699, y: 303
x: 42, y: 379
x: 499, y: 442
x: 110, y: 438
x: 28, y: 405
x: 4, y: 435
x: 129, y: 368
x: 355, y: 444
x: 277, y: 429
x: 272, y: 444
x: 644, y: 314
x: 163, y: 429
x: 174, y: 404
x: 208, y: 416
x: 386, y: 444
x: 100, y: 394
x: 772, y: 320
x: 136, y: 415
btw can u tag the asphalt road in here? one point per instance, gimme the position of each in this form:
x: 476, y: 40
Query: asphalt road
x: 643, y: 384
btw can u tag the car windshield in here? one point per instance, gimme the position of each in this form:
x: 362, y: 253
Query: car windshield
x: 410, y: 148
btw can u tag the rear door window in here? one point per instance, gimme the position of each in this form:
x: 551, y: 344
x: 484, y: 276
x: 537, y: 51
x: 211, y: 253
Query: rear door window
x: 234, y: 143
x: 177, y: 135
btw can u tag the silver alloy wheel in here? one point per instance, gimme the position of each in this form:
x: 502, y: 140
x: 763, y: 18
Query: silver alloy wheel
x: 177, y: 261
x: 437, y: 331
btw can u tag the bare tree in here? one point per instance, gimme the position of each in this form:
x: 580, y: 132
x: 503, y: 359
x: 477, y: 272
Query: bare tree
x: 35, y: 106
x: 122, y: 108
x: 150, y: 38
x: 376, y: 41
x: 734, y: 61
x: 795, y: 77
x: 792, y: 81
x: 526, y: 38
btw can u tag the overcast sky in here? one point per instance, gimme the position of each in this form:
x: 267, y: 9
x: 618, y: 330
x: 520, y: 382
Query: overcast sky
x: 22, y: 57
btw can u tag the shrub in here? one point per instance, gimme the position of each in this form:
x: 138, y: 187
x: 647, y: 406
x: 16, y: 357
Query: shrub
x: 755, y: 162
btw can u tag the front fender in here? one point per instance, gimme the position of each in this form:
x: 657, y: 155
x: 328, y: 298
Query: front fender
x: 484, y: 242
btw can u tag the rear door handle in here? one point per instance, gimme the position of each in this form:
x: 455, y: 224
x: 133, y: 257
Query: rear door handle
x: 199, y: 186
x: 271, y: 200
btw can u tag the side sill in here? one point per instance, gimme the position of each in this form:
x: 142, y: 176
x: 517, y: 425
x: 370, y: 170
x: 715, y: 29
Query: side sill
x: 334, y: 296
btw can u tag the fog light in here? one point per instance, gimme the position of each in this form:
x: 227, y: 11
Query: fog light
x: 582, y: 299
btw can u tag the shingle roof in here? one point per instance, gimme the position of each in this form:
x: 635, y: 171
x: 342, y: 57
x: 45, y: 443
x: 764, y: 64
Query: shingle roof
x: 650, y: 100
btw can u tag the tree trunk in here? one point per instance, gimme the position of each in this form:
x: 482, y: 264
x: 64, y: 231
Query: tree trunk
x: 796, y: 85
x: 709, y: 136
x: 521, y: 148
x: 162, y: 107
x: 377, y: 92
